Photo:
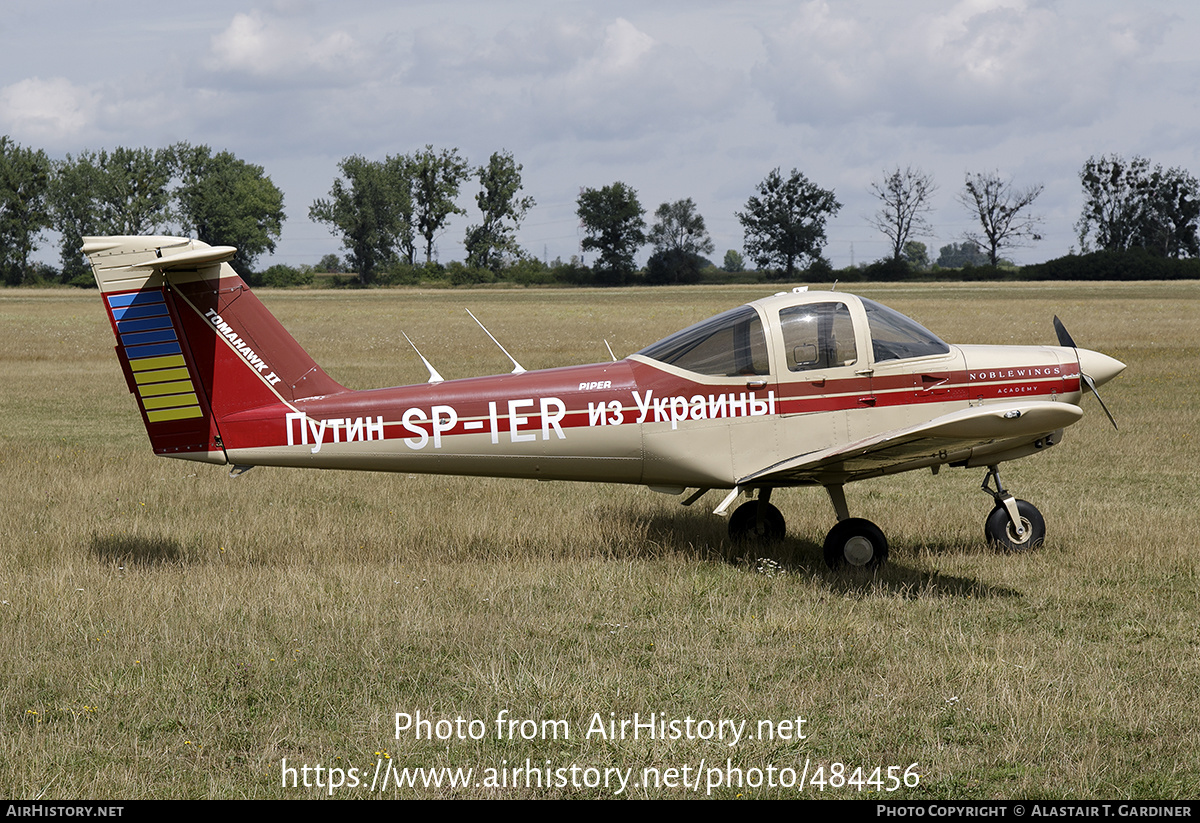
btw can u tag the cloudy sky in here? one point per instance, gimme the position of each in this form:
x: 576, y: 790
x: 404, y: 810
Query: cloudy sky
x: 679, y: 98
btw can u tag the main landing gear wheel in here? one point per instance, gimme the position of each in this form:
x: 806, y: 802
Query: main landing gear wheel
x: 1000, y: 531
x: 747, y: 525
x: 855, y: 542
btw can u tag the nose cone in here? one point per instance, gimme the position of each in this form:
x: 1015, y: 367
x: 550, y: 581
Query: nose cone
x: 1100, y: 367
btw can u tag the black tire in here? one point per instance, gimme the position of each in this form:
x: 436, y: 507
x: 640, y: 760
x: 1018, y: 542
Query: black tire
x: 1000, y: 532
x: 744, y: 526
x: 857, y: 543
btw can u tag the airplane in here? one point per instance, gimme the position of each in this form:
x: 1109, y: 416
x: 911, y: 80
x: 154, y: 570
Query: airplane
x: 802, y: 388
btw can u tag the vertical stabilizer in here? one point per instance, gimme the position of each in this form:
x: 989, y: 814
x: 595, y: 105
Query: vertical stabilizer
x: 194, y: 342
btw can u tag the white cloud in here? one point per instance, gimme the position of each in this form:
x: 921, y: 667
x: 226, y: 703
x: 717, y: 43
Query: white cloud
x: 271, y: 48
x: 549, y: 78
x: 977, y: 62
x: 48, y: 111
x: 623, y: 49
x: 630, y: 84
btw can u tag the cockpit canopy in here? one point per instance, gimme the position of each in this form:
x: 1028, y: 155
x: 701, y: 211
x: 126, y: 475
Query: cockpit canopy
x: 728, y: 344
x: 816, y: 332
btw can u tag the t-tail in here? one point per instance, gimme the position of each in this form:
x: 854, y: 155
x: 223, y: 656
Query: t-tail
x: 195, y: 344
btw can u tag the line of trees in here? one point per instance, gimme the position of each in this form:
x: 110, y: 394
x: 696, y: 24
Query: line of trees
x: 183, y: 189
x: 380, y: 208
x: 1131, y: 205
x: 1128, y: 205
x: 1002, y: 212
x: 390, y: 213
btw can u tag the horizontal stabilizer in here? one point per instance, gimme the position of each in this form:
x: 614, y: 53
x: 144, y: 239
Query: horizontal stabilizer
x: 188, y: 260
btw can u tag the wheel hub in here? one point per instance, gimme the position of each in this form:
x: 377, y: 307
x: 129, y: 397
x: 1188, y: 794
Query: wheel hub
x: 1024, y: 534
x: 859, y: 551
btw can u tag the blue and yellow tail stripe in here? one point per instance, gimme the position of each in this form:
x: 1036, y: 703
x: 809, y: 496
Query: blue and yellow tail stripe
x: 151, y: 346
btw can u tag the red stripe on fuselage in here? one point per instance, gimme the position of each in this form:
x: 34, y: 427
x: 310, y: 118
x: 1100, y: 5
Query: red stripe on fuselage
x: 547, y: 403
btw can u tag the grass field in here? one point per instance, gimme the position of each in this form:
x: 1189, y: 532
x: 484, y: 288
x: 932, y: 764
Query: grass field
x: 168, y: 632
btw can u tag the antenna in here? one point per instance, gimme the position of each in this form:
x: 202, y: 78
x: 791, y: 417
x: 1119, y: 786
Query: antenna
x: 519, y: 368
x: 610, y: 352
x: 434, y: 377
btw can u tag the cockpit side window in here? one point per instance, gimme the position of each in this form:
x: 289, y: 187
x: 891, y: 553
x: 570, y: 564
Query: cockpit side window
x: 728, y: 345
x: 896, y: 337
x: 817, y: 336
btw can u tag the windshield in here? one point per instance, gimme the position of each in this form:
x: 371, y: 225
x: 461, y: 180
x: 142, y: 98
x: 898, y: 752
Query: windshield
x: 895, y: 337
x: 730, y: 344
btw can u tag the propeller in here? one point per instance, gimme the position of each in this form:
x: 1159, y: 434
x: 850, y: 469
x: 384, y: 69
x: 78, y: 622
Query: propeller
x: 1108, y: 365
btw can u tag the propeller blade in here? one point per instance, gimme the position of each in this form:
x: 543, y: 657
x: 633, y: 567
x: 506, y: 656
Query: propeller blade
x: 1091, y: 384
x: 1065, y: 340
x: 1064, y: 337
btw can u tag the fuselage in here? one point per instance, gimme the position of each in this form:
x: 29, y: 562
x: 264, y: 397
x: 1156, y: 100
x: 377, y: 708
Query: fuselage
x: 640, y: 420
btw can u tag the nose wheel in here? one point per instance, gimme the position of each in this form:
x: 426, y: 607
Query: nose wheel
x: 1013, y: 525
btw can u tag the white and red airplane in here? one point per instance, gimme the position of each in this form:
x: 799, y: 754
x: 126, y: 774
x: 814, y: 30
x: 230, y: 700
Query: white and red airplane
x: 799, y: 389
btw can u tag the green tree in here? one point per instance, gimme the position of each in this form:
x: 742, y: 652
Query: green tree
x: 370, y: 206
x: 733, y: 261
x: 124, y: 192
x: 227, y: 201
x: 680, y: 238
x: 960, y: 255
x: 503, y: 210
x: 135, y: 193
x: 904, y: 203
x: 436, y: 179
x: 679, y: 227
x: 74, y: 205
x: 1128, y: 204
x: 784, y: 224
x: 24, y: 206
x: 1002, y: 211
x: 614, y: 226
x: 916, y: 254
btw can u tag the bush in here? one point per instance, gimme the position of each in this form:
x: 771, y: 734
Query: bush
x: 35, y: 274
x: 672, y: 266
x: 528, y: 272
x: 463, y: 275
x: 281, y: 276
x: 574, y: 273
x: 889, y: 269
x: 1134, y: 264
x: 330, y: 264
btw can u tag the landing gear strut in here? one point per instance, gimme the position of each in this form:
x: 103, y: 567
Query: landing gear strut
x: 1015, y: 525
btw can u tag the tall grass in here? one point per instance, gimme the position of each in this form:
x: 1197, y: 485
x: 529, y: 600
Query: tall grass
x: 166, y: 631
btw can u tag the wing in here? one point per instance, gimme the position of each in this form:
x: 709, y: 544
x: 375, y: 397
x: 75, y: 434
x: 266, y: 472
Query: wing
x: 993, y: 430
